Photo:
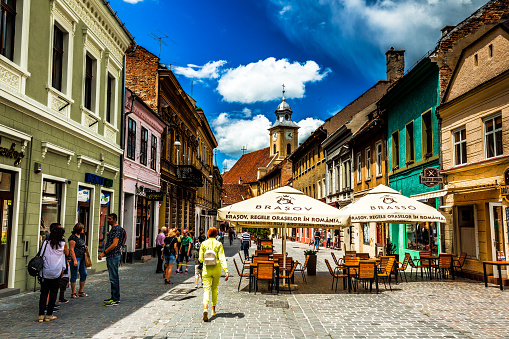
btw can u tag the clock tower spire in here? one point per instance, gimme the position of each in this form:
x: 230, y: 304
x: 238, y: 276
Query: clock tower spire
x: 284, y: 133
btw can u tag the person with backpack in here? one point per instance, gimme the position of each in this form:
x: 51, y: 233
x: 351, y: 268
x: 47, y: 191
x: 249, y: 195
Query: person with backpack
x: 113, y: 254
x: 170, y: 252
x: 77, y: 248
x: 213, y: 259
x: 53, y: 255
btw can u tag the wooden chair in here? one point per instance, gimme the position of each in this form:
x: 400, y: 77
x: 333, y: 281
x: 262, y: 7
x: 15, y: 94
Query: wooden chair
x: 265, y: 271
x: 290, y: 275
x: 245, y: 264
x: 416, y: 265
x: 459, y: 262
x: 384, y: 259
x: 242, y: 275
x: 263, y: 256
x: 350, y: 253
x: 386, y: 273
x: 444, y: 265
x: 336, y: 275
x: 281, y: 263
x: 366, y: 273
x: 363, y: 256
x: 404, y: 265
x: 350, y: 256
x: 335, y: 260
x: 302, y: 269
x: 352, y: 272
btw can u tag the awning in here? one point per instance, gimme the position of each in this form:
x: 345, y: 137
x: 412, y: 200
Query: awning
x: 429, y: 195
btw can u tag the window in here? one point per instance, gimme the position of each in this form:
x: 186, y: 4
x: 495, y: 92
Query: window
x: 460, y: 146
x: 144, y: 146
x: 365, y: 233
x: 359, y: 167
x: 103, y: 224
x: 476, y: 60
x: 427, y: 135
x: 368, y: 163
x: 421, y: 237
x: 466, y: 230
x: 395, y: 150
x: 89, y: 81
x: 7, y: 28
x: 51, y: 203
x: 131, y: 139
x: 110, y: 87
x: 493, y: 136
x: 274, y: 147
x: 58, y: 58
x: 288, y: 149
x: 153, y: 153
x: 379, y: 159
x: 409, y: 143
x: 490, y: 50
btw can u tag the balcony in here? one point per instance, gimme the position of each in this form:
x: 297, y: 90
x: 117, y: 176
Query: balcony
x: 189, y: 175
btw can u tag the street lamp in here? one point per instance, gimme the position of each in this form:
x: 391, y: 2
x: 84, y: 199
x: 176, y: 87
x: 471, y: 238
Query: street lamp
x: 177, y: 144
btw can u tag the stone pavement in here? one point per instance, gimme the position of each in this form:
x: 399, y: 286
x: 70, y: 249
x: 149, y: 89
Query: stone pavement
x: 151, y: 309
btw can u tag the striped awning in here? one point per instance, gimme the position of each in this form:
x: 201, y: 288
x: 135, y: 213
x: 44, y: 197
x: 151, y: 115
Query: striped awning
x: 429, y: 195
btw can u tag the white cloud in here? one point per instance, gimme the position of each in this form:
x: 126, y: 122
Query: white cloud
x: 228, y: 163
x: 262, y: 80
x: 247, y: 112
x: 133, y: 1
x: 284, y: 10
x: 211, y: 70
x: 308, y: 126
x: 233, y: 134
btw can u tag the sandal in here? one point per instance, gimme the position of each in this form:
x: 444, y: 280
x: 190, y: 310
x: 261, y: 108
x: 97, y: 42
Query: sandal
x: 82, y: 294
x: 74, y: 296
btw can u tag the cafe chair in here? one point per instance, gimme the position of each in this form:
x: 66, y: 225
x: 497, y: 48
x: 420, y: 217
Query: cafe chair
x: 302, y: 269
x: 336, y: 275
x: 335, y: 260
x: 246, y: 259
x: 366, y: 274
x: 289, y: 276
x: 385, y: 274
x: 416, y: 265
x: 458, y: 263
x: 265, y: 271
x: 363, y: 256
x: 350, y: 253
x: 444, y: 266
x: 242, y: 275
x: 245, y: 264
x: 403, y: 266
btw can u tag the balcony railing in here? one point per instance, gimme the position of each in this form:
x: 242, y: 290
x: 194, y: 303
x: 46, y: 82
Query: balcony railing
x: 189, y: 175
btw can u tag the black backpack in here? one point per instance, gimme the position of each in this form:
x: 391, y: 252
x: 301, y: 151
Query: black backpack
x: 36, y: 264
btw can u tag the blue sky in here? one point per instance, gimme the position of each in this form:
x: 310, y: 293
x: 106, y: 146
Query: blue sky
x: 234, y: 55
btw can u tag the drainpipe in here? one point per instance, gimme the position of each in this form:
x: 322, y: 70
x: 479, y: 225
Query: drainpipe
x: 440, y: 167
x: 26, y: 242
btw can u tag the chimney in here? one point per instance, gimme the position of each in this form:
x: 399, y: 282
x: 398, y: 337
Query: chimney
x: 240, y: 181
x: 446, y: 30
x: 395, y: 64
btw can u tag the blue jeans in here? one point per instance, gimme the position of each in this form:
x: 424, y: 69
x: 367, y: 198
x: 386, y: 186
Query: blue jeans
x: 81, y: 268
x: 317, y: 243
x: 113, y: 263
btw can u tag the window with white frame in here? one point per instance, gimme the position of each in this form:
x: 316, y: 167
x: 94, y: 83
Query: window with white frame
x: 460, y: 146
x: 153, y: 153
x: 493, y: 136
x: 90, y: 83
x: 359, y: 167
x: 347, y: 177
x: 58, y: 58
x: 110, y: 98
x: 368, y: 163
x: 8, y: 28
x: 143, y: 146
x: 379, y: 158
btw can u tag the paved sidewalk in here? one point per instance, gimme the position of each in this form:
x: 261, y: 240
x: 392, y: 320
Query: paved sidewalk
x: 151, y: 309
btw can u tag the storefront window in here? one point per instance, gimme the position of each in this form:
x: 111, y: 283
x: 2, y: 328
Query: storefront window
x: 421, y: 237
x: 84, y: 195
x: 365, y: 231
x: 6, y: 207
x: 103, y: 225
x: 51, y: 203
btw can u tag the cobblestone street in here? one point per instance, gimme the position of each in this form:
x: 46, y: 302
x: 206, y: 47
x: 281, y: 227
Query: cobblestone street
x: 150, y: 309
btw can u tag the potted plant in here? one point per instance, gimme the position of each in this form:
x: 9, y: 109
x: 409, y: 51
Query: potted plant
x: 391, y: 250
x: 311, y: 261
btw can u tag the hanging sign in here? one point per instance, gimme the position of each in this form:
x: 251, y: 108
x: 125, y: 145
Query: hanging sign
x: 154, y: 196
x: 431, y: 177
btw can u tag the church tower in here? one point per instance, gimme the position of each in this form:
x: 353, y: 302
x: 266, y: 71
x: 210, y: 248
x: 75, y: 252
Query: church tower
x: 284, y: 135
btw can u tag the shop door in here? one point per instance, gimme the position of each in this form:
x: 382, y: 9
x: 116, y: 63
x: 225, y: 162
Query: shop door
x: 84, y: 210
x: 497, y: 232
x: 5, y: 235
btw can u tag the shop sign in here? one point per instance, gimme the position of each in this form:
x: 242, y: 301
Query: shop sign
x: 83, y: 195
x: 98, y: 180
x: 12, y: 153
x: 155, y: 196
x: 431, y: 177
x: 105, y: 198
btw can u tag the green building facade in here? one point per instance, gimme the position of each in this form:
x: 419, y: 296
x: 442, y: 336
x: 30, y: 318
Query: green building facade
x: 413, y: 145
x: 61, y: 103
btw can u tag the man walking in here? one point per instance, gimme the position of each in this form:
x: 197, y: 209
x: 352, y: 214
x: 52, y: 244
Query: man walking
x: 231, y: 233
x: 112, y: 253
x: 246, y: 242
x: 159, y: 248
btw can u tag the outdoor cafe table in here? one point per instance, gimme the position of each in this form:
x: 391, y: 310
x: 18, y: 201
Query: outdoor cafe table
x: 352, y: 265
x: 494, y: 263
x: 252, y: 266
x: 434, y: 258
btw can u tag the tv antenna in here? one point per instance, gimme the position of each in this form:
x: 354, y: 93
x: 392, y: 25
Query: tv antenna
x: 160, y: 39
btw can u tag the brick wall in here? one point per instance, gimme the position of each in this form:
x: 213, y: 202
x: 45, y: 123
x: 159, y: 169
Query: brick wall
x: 141, y: 75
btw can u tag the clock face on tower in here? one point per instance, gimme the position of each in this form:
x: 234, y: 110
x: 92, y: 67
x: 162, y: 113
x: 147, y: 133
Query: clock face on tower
x: 289, y: 135
x: 274, y: 136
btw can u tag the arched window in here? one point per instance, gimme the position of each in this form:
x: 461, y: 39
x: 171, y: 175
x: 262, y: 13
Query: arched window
x: 274, y: 149
x: 286, y: 116
x: 288, y: 149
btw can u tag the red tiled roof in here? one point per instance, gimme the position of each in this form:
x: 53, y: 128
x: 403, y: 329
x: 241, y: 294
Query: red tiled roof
x: 233, y: 193
x: 246, y: 168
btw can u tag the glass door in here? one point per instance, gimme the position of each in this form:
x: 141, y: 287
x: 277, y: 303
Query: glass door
x: 497, y: 232
x: 6, y: 207
x: 84, y: 210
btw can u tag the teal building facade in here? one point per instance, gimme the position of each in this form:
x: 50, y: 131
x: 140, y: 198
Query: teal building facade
x: 413, y: 146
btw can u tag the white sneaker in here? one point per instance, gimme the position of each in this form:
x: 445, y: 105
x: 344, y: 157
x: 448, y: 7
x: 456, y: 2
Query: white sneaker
x: 196, y: 286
